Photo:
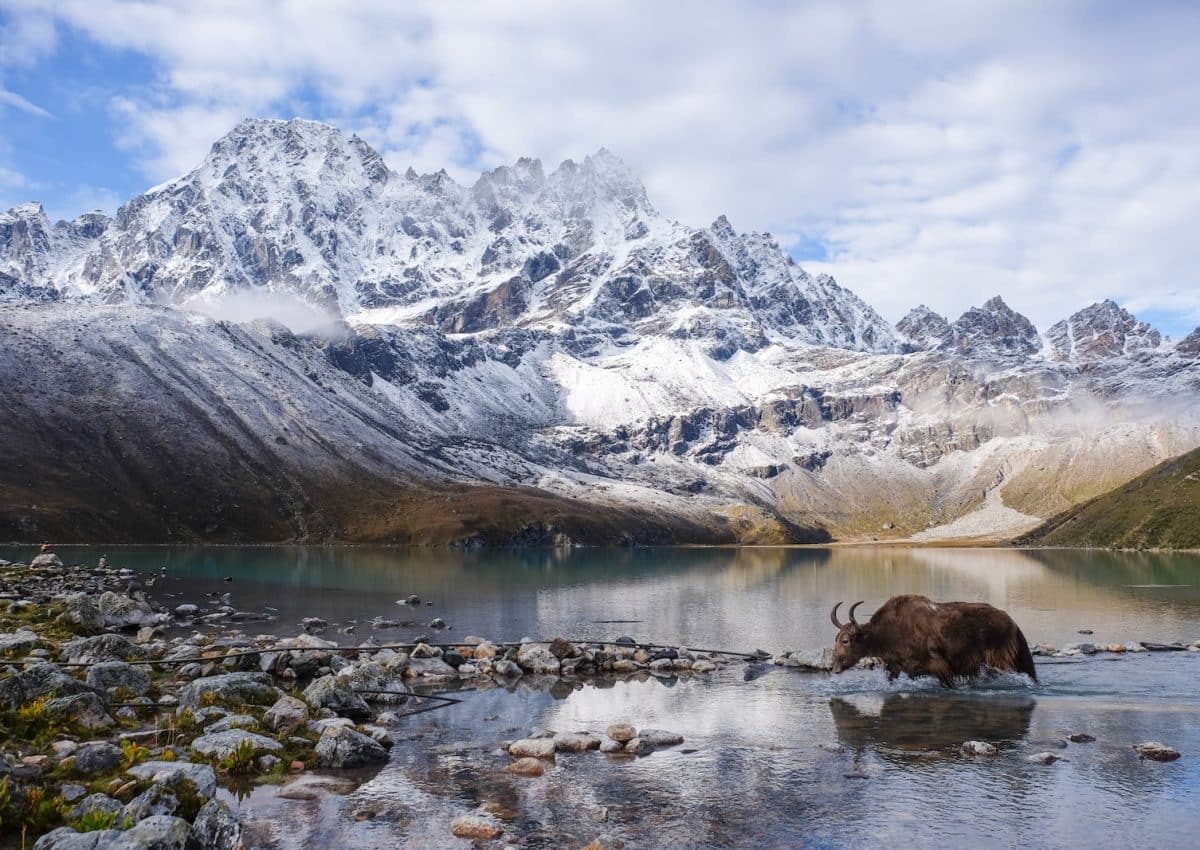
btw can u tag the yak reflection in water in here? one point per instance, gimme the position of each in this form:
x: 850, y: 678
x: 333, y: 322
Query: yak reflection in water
x: 909, y: 723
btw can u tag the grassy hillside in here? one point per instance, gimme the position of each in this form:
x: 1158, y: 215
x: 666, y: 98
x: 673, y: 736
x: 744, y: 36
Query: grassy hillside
x: 1159, y: 509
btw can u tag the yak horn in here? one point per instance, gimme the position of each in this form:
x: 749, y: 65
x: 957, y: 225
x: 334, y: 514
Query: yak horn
x: 852, y: 607
x: 833, y: 616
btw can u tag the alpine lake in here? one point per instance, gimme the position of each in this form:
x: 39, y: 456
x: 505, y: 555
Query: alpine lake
x: 772, y: 757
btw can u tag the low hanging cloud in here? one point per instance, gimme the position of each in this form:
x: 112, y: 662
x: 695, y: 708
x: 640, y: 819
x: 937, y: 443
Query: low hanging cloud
x: 934, y: 152
x: 249, y: 305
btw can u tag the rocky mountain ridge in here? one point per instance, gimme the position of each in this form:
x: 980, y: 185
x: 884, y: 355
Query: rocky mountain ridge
x: 543, y: 351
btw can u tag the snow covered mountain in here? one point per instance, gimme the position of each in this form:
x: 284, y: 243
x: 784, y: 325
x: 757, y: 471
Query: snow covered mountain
x: 533, y: 358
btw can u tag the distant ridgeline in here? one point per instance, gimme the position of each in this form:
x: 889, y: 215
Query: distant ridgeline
x: 294, y: 342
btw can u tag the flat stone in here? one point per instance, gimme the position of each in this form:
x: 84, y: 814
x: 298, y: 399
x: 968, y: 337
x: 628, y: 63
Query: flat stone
x: 576, y: 742
x: 532, y: 747
x: 1080, y: 738
x: 231, y: 688
x: 221, y: 745
x: 201, y: 776
x: 660, y: 738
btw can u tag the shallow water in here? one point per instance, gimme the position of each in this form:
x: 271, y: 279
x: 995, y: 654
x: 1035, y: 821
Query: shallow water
x: 762, y: 773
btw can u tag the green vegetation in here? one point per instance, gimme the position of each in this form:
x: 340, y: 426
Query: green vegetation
x: 241, y: 761
x: 96, y: 820
x: 1159, y: 509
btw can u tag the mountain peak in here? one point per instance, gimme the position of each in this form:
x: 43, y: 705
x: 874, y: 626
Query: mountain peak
x: 995, y: 328
x: 1104, y: 329
x: 924, y: 329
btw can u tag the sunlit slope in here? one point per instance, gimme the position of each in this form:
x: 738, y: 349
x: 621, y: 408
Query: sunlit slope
x: 1159, y: 509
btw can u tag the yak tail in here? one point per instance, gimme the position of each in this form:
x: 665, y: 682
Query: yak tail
x: 1024, y: 659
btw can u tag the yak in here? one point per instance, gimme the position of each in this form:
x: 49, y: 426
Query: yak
x: 914, y: 635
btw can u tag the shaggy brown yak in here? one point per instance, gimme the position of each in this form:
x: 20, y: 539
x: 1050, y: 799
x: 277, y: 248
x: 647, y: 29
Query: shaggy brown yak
x: 915, y: 635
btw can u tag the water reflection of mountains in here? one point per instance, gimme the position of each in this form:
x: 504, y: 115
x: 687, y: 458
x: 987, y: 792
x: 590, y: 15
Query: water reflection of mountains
x: 931, y: 722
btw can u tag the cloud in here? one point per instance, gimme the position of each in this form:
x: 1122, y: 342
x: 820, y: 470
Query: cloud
x: 932, y: 151
x: 10, y: 98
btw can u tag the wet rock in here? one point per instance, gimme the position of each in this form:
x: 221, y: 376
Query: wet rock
x: 221, y: 745
x: 424, y: 650
x: 1080, y: 738
x: 639, y: 747
x: 527, y: 766
x: 610, y: 746
x: 808, y: 659
x: 329, y: 692
x: 1156, y: 751
x: 437, y: 623
x: 604, y: 842
x: 216, y: 828
x: 97, y: 757
x: 230, y: 688
x: 286, y: 714
x: 621, y: 732
x: 201, y: 776
x: 660, y: 738
x: 703, y: 666
x: 118, y: 674
x: 977, y: 748
x: 429, y: 668
x: 537, y: 658
x: 339, y: 747
x: 576, y: 742
x: 508, y: 669
x: 476, y: 827
x: 532, y: 747
x: 1044, y: 758
x: 314, y: 625
x: 187, y: 609
x: 562, y: 648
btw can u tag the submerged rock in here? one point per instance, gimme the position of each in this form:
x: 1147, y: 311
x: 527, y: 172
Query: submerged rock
x: 1080, y: 738
x: 1156, y: 751
x: 978, y: 748
x: 532, y: 747
x: 476, y: 827
x: 527, y: 766
x: 340, y: 747
x: 1044, y: 758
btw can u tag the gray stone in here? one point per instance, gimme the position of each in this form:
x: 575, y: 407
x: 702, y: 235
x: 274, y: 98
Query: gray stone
x: 81, y: 614
x: 1156, y: 751
x: 230, y: 688
x: 95, y: 803
x: 19, y: 642
x: 660, y: 738
x: 119, y: 674
x: 93, y: 650
x: 97, y: 757
x: 40, y: 680
x: 978, y: 748
x: 508, y: 669
x: 70, y: 792
x: 216, y: 828
x: 639, y: 747
x: 532, y: 747
x: 330, y: 692
x: 1044, y: 758
x: 46, y: 559
x: 809, y: 659
x: 340, y: 747
x: 576, y: 742
x: 201, y: 776
x: 65, y: 838
x: 621, y: 732
x: 187, y: 609
x: 610, y: 746
x: 221, y: 745
x: 234, y: 721
x: 125, y: 612
x: 286, y: 714
x: 429, y: 668
x: 87, y: 710
x: 158, y: 832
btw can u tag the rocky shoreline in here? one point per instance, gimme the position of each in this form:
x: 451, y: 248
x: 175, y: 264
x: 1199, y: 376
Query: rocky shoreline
x: 120, y: 719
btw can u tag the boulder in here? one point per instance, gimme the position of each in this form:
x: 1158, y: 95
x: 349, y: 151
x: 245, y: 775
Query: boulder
x: 660, y: 738
x: 65, y: 838
x: 429, y: 668
x: 46, y: 559
x: 234, y: 721
x: 19, y: 642
x: 118, y: 674
x: 216, y: 828
x: 372, y: 679
x: 125, y: 612
x: 158, y: 832
x: 331, y: 693
x: 230, y: 688
x: 532, y: 747
x: 576, y: 742
x: 537, y: 658
x: 221, y: 745
x: 621, y: 732
x: 808, y: 659
x: 40, y: 680
x: 94, y: 803
x: 286, y: 714
x: 86, y: 710
x: 97, y: 757
x: 506, y: 669
x: 93, y: 650
x: 639, y: 747
x: 81, y: 615
x: 340, y: 747
x: 202, y: 777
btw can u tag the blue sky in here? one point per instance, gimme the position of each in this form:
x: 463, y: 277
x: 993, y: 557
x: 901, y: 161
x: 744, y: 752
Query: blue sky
x: 928, y: 152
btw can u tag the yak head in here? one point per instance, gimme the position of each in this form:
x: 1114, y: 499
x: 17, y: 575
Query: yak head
x: 850, y: 645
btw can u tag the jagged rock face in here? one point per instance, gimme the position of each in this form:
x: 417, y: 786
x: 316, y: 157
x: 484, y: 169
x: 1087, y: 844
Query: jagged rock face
x: 995, y: 329
x: 1100, y: 331
x: 923, y: 329
x: 297, y: 207
x: 1190, y: 344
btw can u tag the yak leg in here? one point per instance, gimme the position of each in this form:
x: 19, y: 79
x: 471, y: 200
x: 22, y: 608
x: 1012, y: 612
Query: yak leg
x: 893, y: 671
x: 939, y: 668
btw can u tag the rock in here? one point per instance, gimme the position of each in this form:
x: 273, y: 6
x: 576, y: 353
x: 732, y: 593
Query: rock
x: 94, y: 803
x: 1043, y: 758
x: 158, y: 832
x: 65, y: 748
x: 532, y: 747
x: 621, y: 732
x: 1080, y: 738
x: 70, y: 792
x: 187, y: 609
x: 1156, y: 751
x: 125, y: 612
x: 65, y: 838
x: 234, y: 721
x: 437, y: 623
x: 314, y: 625
x: 429, y: 668
x: 221, y: 745
x: 610, y: 746
x: 86, y: 710
x: 97, y: 757
x: 93, y: 650
x: 562, y: 648
x: 526, y: 766
x: 537, y: 658
x: 118, y: 674
x: 639, y: 747
x: 476, y: 827
x: 339, y: 747
x: 604, y: 842
x: 329, y: 692
x: 662, y: 665
x: 576, y: 742
x: 978, y: 748
x: 702, y: 666
x: 660, y: 738
x: 809, y: 659
x: 286, y: 714
x: 40, y: 680
x: 19, y: 642
x: 230, y: 688
x: 216, y: 828
x: 506, y: 669
x: 46, y: 559
x: 201, y: 776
